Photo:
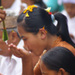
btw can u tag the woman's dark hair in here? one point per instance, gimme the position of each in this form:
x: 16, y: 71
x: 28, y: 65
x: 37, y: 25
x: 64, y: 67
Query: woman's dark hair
x: 39, y: 18
x: 40, y: 3
x: 62, y: 28
x: 59, y: 57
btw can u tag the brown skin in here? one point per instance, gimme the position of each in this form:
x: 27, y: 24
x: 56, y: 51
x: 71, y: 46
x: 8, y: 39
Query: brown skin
x: 70, y: 8
x: 1, y: 34
x: 28, y: 2
x: 46, y: 71
x: 7, y: 3
x: 26, y: 59
x: 1, y: 74
x: 4, y: 48
x: 13, y: 38
x: 2, y: 15
x: 34, y: 43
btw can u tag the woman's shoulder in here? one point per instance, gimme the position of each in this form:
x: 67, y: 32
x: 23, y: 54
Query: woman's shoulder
x: 61, y: 43
x: 67, y: 45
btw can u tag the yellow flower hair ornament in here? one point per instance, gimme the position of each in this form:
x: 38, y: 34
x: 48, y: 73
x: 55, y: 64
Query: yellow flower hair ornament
x: 29, y: 8
x: 52, y: 16
x: 45, y: 30
x: 48, y: 9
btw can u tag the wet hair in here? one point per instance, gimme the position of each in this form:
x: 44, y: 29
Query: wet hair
x: 59, y: 57
x: 39, y: 18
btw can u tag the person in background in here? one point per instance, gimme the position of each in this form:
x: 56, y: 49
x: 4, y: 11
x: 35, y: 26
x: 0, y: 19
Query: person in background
x: 69, y: 12
x: 26, y: 3
x: 36, y: 28
x: 56, y: 5
x: 9, y: 64
x: 12, y: 7
x: 35, y: 2
x: 58, y: 61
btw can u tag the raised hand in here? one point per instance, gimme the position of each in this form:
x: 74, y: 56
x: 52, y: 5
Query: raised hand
x: 2, y: 15
x: 1, y: 74
x: 19, y: 52
x: 26, y: 59
x: 4, y: 49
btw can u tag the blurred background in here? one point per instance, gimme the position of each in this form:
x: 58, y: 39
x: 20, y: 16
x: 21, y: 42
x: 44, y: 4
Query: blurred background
x: 66, y: 7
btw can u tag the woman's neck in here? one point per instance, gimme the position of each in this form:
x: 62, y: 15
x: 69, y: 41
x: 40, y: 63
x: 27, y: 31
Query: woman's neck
x: 51, y: 41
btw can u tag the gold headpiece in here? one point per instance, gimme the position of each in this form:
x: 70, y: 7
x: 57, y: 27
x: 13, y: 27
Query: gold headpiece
x: 29, y: 8
x: 48, y: 9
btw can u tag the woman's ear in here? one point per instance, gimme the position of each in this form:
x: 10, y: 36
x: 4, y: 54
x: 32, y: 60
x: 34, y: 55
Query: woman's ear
x: 43, y: 33
x: 61, y: 71
x: 14, y: 34
x: 13, y: 38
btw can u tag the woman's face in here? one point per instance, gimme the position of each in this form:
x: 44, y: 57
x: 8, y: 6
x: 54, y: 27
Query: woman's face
x: 46, y: 71
x: 32, y: 42
x: 70, y: 8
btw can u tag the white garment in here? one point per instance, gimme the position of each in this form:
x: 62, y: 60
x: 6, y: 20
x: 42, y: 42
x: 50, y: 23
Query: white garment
x: 14, y: 9
x: 13, y: 65
x: 69, y: 1
x: 71, y: 24
x: 21, y: 44
x: 45, y: 1
x: 60, y: 2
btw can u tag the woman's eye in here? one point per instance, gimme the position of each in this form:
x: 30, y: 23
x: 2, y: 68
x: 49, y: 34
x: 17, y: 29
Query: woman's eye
x: 24, y: 39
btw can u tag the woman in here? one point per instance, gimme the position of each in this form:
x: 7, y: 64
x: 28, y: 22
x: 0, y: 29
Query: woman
x: 69, y: 12
x: 58, y: 61
x: 36, y: 28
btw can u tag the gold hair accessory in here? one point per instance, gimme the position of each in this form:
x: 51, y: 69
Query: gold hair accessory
x: 48, y: 9
x: 29, y: 8
x: 44, y: 29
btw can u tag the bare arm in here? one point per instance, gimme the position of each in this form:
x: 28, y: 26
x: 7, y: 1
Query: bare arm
x: 26, y: 59
x: 27, y: 67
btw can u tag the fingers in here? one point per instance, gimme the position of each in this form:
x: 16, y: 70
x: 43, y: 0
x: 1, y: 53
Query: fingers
x: 2, y: 12
x: 1, y: 74
x: 43, y: 53
x: 2, y: 42
x: 2, y: 15
x: 23, y: 52
x: 15, y: 50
